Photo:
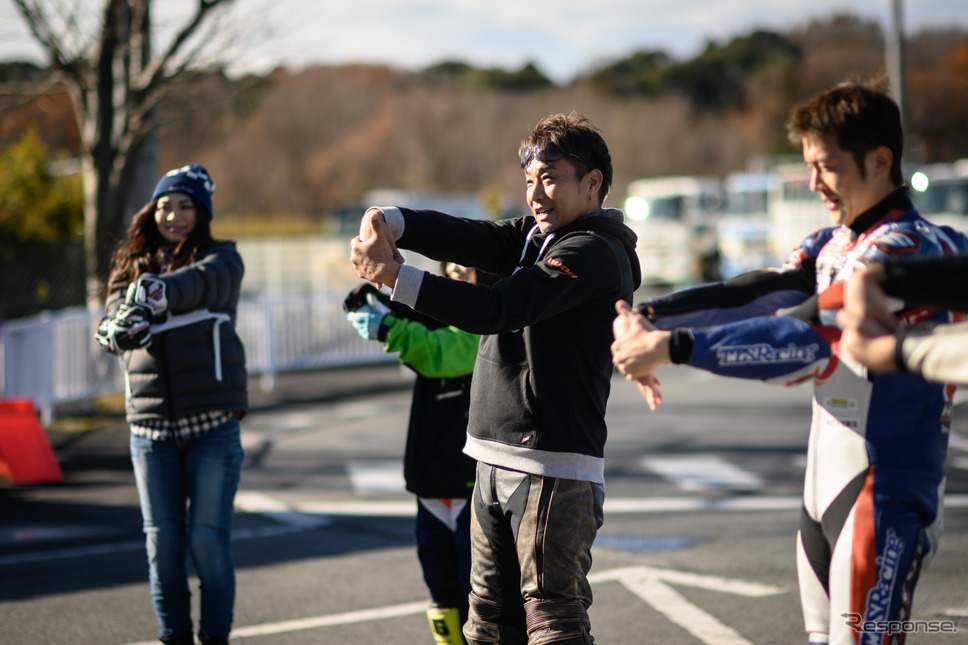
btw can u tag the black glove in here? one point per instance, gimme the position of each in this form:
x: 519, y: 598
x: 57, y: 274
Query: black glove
x: 128, y: 330
x: 365, y: 295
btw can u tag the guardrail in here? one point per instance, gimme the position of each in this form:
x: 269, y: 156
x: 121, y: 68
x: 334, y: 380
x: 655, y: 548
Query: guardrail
x: 52, y: 358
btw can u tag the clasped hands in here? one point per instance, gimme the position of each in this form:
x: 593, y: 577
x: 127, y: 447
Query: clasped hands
x: 374, y: 252
x: 638, y: 350
x: 867, y: 322
x: 145, y: 302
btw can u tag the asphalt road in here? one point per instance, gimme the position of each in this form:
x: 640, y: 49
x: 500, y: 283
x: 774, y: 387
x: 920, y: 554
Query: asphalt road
x: 697, y: 546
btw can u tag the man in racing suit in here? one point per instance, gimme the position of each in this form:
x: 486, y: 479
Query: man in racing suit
x: 875, y: 456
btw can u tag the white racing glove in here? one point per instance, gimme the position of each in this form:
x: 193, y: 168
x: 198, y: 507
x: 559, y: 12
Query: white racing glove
x: 367, y: 322
x: 129, y: 329
x: 148, y: 292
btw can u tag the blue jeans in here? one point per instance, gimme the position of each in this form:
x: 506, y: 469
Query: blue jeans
x: 187, y: 490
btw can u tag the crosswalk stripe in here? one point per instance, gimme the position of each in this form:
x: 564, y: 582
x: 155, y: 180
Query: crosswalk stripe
x: 703, y: 472
x: 378, y: 476
x: 957, y: 442
x: 252, y: 501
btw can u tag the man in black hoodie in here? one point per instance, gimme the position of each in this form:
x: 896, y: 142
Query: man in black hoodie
x: 542, y: 375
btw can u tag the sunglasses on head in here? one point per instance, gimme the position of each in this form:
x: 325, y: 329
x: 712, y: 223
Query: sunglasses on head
x: 550, y: 152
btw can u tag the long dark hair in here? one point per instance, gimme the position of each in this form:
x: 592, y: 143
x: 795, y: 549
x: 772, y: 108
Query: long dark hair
x: 144, y: 250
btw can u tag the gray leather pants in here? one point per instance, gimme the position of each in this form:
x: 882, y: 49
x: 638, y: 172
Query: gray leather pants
x: 531, y: 539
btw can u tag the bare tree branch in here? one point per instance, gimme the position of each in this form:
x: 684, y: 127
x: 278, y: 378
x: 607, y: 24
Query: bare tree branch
x: 155, y: 74
x: 42, y: 30
x: 104, y: 58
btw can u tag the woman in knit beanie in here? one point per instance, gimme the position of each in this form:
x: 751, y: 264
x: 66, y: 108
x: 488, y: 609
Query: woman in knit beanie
x: 171, y: 312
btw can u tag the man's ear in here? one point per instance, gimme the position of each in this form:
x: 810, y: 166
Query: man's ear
x: 594, y: 177
x: 880, y: 160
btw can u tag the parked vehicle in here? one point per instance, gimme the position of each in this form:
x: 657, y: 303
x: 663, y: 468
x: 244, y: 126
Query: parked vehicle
x: 794, y: 211
x: 744, y: 227
x: 675, y: 219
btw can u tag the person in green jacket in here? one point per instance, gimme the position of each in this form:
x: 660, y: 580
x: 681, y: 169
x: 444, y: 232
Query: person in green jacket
x: 435, y: 468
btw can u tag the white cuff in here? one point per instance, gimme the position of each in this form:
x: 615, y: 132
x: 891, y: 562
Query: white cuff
x: 407, y: 287
x: 394, y: 220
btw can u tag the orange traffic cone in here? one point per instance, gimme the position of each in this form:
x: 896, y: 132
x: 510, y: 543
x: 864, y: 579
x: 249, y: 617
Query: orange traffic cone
x: 25, y: 453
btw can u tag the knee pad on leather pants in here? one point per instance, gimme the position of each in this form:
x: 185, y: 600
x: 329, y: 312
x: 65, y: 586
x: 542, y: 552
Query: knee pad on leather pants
x: 484, y: 626
x: 558, y: 621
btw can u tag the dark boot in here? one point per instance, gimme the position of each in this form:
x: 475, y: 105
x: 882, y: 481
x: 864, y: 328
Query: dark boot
x: 186, y: 639
x: 219, y: 640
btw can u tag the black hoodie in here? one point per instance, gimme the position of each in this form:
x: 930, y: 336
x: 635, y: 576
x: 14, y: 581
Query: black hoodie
x: 542, y: 376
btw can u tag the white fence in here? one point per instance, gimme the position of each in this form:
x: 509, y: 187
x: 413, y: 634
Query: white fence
x: 53, y: 358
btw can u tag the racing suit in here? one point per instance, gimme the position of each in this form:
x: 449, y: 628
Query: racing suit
x: 875, y: 456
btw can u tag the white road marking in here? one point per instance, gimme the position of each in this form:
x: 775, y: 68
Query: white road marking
x: 378, y: 476
x: 650, y: 584
x: 616, y: 505
x: 277, y: 423
x: 252, y: 501
x: 315, y: 622
x: 632, y: 505
x: 688, y: 579
x: 957, y: 442
x: 364, y: 508
x: 680, y: 611
x: 702, y: 472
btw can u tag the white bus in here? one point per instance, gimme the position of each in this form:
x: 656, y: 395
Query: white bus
x: 675, y: 220
x: 744, y: 228
x: 794, y: 211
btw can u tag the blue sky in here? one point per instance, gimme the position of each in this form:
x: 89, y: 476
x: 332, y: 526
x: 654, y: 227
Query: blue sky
x: 563, y: 37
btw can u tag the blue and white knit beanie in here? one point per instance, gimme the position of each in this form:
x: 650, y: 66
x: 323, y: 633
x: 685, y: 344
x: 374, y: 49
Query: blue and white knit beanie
x: 192, y: 180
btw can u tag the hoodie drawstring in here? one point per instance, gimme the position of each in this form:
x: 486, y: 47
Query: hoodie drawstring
x: 527, y: 240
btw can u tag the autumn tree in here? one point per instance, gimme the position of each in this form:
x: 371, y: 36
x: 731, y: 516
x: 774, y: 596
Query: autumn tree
x: 40, y: 228
x: 115, y: 80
